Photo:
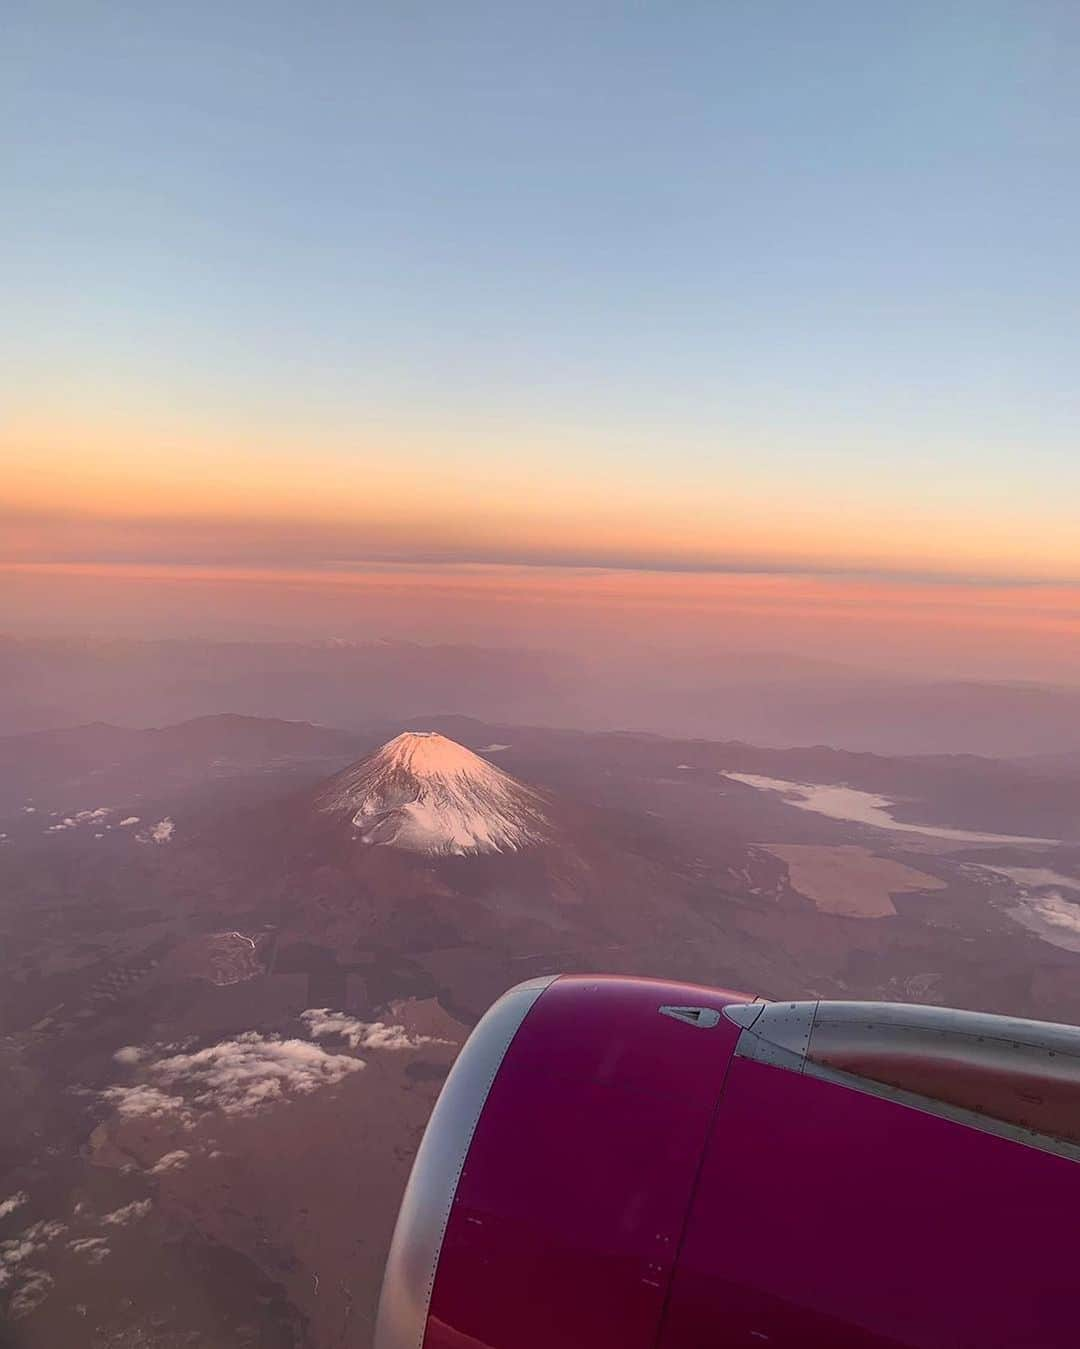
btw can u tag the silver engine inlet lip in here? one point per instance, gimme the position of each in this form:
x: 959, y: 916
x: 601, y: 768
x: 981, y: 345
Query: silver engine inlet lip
x: 425, y: 1209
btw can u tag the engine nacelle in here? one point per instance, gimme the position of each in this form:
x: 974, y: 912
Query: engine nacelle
x: 619, y: 1163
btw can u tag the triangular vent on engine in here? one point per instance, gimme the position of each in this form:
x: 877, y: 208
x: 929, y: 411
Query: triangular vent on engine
x: 703, y: 1017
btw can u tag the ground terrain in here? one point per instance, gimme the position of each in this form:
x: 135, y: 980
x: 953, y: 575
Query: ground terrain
x: 225, y: 1017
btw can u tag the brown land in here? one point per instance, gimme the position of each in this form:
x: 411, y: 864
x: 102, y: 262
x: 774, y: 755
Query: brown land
x: 850, y: 881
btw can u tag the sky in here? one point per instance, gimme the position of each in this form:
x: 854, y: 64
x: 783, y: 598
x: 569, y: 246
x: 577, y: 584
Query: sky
x: 777, y: 290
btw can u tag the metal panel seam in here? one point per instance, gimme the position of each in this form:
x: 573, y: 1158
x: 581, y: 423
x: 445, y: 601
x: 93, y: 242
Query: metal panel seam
x: 709, y: 1131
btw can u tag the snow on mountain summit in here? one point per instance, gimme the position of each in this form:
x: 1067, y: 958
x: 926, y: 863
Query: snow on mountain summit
x: 428, y: 794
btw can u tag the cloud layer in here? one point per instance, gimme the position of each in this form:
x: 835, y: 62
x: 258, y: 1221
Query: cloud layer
x: 130, y: 1213
x: 161, y: 832
x: 13, y: 1202
x: 321, y: 1022
x: 242, y: 1075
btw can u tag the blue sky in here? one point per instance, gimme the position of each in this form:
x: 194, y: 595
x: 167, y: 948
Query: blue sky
x: 822, y: 248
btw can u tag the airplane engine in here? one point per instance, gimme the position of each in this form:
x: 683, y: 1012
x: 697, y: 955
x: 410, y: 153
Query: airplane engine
x: 620, y: 1163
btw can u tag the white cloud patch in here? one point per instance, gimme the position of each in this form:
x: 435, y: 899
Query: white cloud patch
x: 145, y: 1101
x: 130, y: 1213
x: 172, y: 1161
x: 94, y: 1249
x: 161, y: 832
x: 29, y: 810
x: 242, y: 1075
x: 31, y: 1293
x: 237, y: 1077
x: 12, y: 1202
x: 322, y: 1022
x: 15, y: 1252
x: 130, y: 1054
x: 80, y: 817
x: 128, y: 821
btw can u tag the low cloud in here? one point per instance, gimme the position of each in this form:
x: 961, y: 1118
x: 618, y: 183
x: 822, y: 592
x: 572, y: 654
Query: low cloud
x: 146, y: 1101
x: 31, y: 1293
x: 94, y: 1249
x: 127, y: 821
x: 322, y: 1022
x: 14, y: 1254
x: 130, y: 1054
x: 161, y: 832
x: 130, y: 1213
x: 242, y: 1075
x: 80, y: 817
x: 172, y: 1161
x: 237, y: 1077
x: 47, y: 1230
x: 13, y: 1202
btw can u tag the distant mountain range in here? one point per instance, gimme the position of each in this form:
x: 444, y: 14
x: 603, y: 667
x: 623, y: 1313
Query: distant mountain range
x: 1037, y: 795
x: 777, y: 700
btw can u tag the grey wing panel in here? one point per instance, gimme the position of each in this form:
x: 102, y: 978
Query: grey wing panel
x: 1007, y: 1076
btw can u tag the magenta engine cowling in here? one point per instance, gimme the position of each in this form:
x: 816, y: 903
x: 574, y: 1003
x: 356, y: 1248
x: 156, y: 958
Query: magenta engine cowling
x: 558, y: 1167
x: 619, y: 1163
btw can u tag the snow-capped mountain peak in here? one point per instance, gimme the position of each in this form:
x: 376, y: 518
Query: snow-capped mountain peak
x: 428, y: 794
x: 428, y: 754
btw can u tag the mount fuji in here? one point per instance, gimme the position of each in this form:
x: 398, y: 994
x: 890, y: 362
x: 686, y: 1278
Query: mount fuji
x: 425, y: 862
x: 424, y: 793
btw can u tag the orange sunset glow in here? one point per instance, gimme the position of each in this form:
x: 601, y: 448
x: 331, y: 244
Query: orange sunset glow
x: 148, y: 494
x: 284, y: 396
x: 1013, y: 631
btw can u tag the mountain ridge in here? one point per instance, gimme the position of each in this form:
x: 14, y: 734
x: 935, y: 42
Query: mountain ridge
x: 425, y: 793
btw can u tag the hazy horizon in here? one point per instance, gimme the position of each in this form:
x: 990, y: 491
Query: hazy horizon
x: 613, y: 333
x: 898, y: 628
x: 707, y: 289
